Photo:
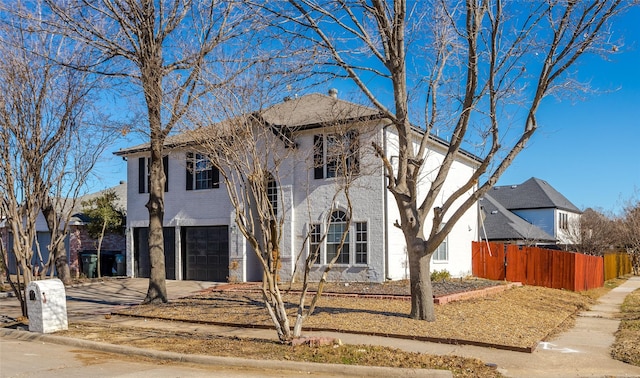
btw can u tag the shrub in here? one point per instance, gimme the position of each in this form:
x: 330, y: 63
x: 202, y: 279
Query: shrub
x: 440, y: 275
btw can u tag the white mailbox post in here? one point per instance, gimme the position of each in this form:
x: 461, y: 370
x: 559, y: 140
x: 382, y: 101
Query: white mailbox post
x: 46, y: 306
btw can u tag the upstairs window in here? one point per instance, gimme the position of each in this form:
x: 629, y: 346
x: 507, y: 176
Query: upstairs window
x: 201, y: 173
x: 144, y: 174
x: 336, y: 154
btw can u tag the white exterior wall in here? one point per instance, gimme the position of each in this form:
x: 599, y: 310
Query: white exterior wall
x: 306, y: 200
x: 459, y: 239
x: 312, y: 199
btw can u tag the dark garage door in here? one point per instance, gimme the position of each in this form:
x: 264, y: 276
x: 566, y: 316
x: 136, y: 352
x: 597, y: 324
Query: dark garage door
x: 206, y: 253
x: 141, y: 256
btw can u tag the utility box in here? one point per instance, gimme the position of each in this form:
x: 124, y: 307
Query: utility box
x: 47, y: 306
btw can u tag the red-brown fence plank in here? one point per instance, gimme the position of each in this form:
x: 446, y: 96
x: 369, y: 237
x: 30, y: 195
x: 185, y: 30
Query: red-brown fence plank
x: 537, y: 266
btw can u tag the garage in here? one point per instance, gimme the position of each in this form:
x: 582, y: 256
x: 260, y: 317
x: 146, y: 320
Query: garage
x: 206, y: 253
x: 141, y: 255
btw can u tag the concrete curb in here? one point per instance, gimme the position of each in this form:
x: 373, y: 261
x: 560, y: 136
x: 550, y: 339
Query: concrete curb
x: 294, y: 366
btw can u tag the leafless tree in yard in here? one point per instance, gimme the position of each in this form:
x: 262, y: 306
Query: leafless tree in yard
x: 51, y: 136
x: 256, y: 159
x: 629, y: 226
x: 593, y: 233
x: 159, y: 48
x: 474, y: 71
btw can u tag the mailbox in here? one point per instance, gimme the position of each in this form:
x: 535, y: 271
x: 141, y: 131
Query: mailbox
x: 47, y: 306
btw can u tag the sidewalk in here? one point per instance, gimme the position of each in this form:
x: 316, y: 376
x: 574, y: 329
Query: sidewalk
x: 579, y: 352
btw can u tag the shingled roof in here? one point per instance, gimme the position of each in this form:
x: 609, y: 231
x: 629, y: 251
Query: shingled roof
x: 501, y: 224
x: 531, y: 194
x: 313, y: 110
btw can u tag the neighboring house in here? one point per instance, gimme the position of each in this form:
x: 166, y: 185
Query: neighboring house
x: 76, y: 241
x: 201, y: 239
x: 532, y: 213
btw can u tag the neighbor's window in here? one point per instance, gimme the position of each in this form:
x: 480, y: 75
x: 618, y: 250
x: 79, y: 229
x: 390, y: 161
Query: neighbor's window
x: 563, y: 221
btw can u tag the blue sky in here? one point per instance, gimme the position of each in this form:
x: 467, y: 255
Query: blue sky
x: 588, y: 150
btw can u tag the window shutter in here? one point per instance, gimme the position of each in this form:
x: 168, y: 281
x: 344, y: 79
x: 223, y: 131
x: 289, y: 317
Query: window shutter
x: 189, y: 170
x: 142, y: 174
x: 165, y: 167
x: 318, y: 157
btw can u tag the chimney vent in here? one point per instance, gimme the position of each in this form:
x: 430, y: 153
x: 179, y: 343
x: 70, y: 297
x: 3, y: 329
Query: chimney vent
x: 333, y: 93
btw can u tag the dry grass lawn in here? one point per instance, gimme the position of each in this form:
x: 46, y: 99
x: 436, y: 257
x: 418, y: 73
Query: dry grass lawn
x: 627, y: 345
x: 519, y: 317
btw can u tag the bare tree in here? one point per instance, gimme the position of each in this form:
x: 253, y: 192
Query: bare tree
x: 475, y: 72
x: 255, y: 159
x: 592, y: 233
x: 159, y: 47
x: 48, y: 146
x: 629, y: 226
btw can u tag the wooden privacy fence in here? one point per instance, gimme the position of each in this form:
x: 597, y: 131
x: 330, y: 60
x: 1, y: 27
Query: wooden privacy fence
x: 616, y: 265
x: 537, y: 266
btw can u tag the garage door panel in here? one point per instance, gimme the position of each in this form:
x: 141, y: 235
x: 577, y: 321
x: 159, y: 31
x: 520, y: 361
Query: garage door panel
x: 207, y: 253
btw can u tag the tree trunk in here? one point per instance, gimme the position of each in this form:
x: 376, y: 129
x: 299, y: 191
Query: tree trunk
x: 157, y: 291
x: 422, y: 307
x: 62, y: 264
x: 59, y: 252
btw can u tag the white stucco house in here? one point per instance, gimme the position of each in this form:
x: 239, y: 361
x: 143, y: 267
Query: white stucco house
x: 203, y: 243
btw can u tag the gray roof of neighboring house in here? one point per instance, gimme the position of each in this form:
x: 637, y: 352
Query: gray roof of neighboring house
x: 531, y: 194
x: 502, y: 224
x: 121, y: 202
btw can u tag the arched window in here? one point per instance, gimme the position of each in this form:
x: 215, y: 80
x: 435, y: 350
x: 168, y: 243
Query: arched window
x: 337, y: 226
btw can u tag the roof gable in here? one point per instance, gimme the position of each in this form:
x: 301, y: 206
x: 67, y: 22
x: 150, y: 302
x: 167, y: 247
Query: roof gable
x: 501, y: 224
x: 532, y: 194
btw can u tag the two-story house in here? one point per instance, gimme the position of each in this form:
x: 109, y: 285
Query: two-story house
x: 529, y: 213
x: 201, y: 238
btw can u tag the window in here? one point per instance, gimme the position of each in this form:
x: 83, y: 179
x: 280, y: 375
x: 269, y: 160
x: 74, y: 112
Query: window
x: 144, y: 174
x: 361, y: 242
x: 337, y: 227
x: 272, y: 194
x: 353, y: 251
x: 201, y: 173
x: 442, y: 253
x: 335, y: 153
x: 563, y: 221
x: 315, y: 237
